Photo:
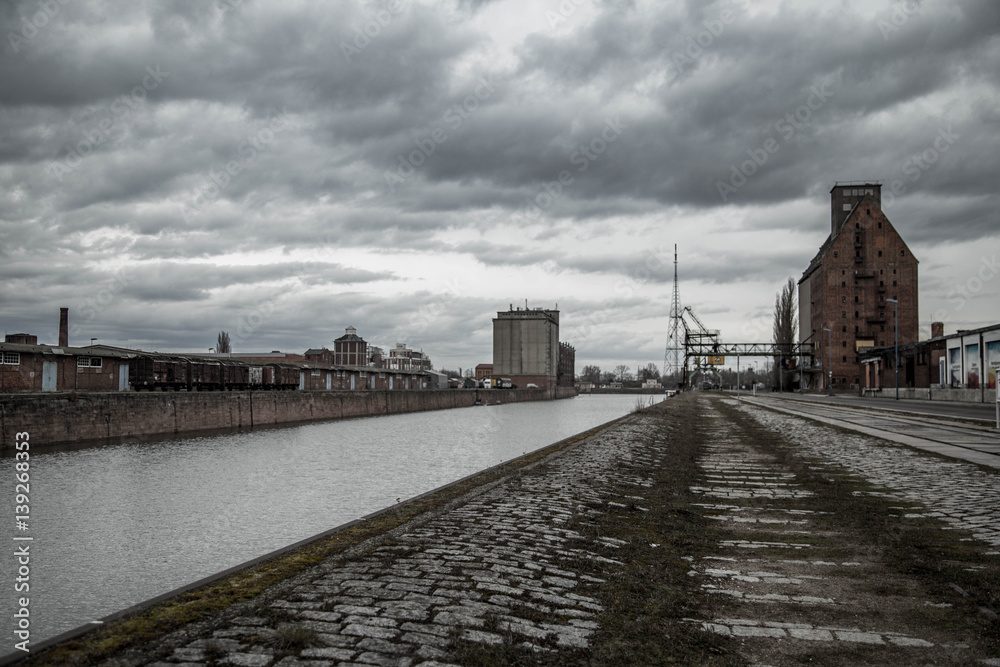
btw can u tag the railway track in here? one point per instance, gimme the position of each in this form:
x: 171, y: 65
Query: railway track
x: 979, y: 444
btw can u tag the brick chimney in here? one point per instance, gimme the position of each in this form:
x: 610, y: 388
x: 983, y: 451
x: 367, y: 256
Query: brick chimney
x: 937, y: 329
x: 64, y: 327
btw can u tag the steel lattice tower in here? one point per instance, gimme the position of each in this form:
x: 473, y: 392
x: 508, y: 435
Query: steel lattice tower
x: 673, y: 357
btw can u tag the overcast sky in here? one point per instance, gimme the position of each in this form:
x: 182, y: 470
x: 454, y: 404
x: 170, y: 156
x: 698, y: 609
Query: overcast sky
x: 284, y: 169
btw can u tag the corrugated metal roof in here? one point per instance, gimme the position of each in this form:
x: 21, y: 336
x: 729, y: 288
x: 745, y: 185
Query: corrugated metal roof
x: 54, y: 350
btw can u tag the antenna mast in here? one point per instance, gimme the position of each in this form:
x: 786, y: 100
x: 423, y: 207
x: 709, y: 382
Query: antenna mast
x: 673, y: 357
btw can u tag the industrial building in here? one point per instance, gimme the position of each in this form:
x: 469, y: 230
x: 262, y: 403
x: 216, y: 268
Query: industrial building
x: 526, y: 347
x: 962, y: 366
x: 863, y: 276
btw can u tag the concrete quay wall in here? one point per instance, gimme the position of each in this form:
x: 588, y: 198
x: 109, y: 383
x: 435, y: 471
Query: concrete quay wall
x: 68, y: 418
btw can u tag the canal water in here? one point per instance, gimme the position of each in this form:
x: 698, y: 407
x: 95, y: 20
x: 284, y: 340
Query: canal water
x: 118, y: 524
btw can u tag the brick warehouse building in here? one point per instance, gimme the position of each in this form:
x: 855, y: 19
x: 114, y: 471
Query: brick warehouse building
x: 863, y: 262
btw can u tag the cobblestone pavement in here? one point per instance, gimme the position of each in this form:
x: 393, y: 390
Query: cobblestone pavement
x: 499, y: 568
x: 961, y: 494
x: 773, y: 604
x: 771, y: 578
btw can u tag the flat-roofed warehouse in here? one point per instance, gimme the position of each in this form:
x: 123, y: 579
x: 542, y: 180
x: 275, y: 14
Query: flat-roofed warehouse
x: 526, y: 346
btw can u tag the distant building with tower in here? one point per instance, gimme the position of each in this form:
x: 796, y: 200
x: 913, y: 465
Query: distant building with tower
x: 350, y: 349
x: 847, y: 288
x: 526, y: 347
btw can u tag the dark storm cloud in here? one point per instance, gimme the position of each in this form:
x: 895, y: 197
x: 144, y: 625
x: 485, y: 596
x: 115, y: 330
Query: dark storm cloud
x: 147, y: 133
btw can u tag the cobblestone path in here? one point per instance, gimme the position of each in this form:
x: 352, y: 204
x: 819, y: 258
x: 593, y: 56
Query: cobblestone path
x: 502, y: 567
x: 793, y: 589
x: 698, y: 532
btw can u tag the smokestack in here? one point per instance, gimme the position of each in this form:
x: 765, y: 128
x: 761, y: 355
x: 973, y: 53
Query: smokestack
x: 937, y: 329
x: 64, y: 327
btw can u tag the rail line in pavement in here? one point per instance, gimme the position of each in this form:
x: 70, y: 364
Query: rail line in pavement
x: 977, y: 445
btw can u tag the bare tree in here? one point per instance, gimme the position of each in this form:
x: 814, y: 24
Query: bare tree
x: 785, y: 323
x: 649, y: 372
x: 620, y: 371
x: 591, y: 374
x: 222, y: 343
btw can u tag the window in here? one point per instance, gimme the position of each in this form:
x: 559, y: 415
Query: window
x: 843, y: 283
x: 881, y: 283
x: 868, y: 211
x: 894, y: 272
x: 845, y: 329
x: 855, y: 329
x: 855, y: 298
x: 836, y: 254
x: 95, y: 362
x: 843, y: 299
x: 83, y: 362
x: 902, y: 253
x: 844, y: 314
x: 315, y: 372
x: 880, y: 225
x: 893, y: 283
x: 12, y: 358
x: 381, y: 376
x: 883, y: 327
x: 843, y: 343
x: 845, y: 359
x: 855, y: 314
x: 857, y: 225
x: 879, y: 253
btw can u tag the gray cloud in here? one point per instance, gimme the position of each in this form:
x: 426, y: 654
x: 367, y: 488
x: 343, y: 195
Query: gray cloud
x: 143, y: 135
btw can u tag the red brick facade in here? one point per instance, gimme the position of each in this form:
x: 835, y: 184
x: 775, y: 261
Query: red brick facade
x: 847, y: 285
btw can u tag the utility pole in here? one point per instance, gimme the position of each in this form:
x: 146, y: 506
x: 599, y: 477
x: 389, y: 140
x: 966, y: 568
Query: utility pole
x: 829, y: 345
x: 896, y: 365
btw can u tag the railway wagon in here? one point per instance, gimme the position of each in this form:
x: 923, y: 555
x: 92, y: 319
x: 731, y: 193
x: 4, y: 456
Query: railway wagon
x: 205, y: 375
x: 284, y: 376
x: 148, y: 372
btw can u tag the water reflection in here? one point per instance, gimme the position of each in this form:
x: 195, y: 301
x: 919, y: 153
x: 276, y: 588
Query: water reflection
x: 115, y: 525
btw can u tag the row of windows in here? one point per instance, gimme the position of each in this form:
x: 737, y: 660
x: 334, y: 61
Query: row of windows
x: 88, y: 362
x: 857, y: 253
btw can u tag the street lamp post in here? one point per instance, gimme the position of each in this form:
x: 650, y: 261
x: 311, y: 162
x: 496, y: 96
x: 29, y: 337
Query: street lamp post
x: 829, y: 356
x: 896, y: 365
x: 781, y: 367
x: 737, y: 378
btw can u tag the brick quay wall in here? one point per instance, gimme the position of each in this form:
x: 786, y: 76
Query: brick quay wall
x: 66, y: 418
